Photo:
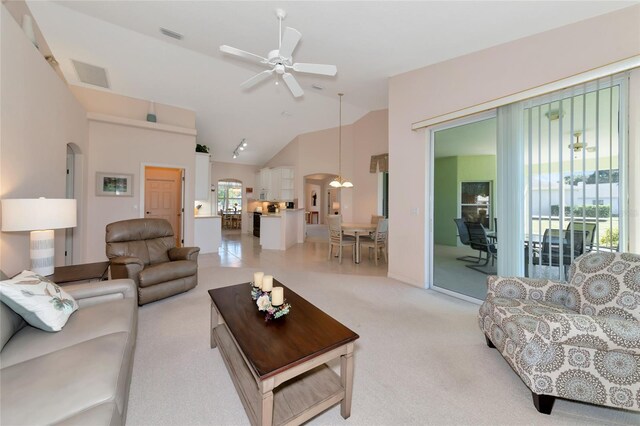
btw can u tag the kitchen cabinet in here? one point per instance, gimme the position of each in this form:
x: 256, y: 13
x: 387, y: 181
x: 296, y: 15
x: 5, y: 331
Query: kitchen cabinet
x: 276, y: 184
x: 202, y: 177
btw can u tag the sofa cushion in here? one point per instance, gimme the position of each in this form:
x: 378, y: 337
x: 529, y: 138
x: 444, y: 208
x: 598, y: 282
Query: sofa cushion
x: 609, y: 284
x: 103, y: 414
x: 86, y: 324
x: 519, y: 318
x: 592, y: 332
x: 10, y: 324
x: 167, y: 271
x: 40, y: 302
x: 51, y: 388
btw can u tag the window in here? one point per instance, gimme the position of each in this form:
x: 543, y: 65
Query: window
x: 475, y: 202
x: 229, y: 196
x: 573, y: 174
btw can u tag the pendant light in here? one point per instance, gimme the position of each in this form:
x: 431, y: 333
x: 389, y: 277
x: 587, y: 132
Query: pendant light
x: 338, y: 182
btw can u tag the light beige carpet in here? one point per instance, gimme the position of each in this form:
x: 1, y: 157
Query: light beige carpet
x: 420, y: 359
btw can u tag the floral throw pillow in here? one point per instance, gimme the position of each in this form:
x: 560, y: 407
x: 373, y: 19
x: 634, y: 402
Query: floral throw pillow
x: 41, y: 303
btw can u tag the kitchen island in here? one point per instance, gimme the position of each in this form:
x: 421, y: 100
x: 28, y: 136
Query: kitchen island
x: 208, y: 233
x: 280, y: 231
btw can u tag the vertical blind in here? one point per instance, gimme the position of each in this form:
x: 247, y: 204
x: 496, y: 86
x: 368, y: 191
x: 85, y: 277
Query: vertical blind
x: 573, y: 175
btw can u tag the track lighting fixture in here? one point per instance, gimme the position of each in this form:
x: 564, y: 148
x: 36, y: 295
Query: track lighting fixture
x: 241, y: 146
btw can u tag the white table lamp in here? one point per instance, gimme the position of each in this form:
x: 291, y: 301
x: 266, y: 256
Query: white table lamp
x: 40, y: 216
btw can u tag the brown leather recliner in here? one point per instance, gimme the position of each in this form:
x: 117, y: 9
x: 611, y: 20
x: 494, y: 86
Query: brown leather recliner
x: 145, y: 251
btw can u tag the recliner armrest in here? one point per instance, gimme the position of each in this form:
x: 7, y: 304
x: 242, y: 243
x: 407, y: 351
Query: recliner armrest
x: 184, y: 253
x: 96, y: 292
x: 126, y: 267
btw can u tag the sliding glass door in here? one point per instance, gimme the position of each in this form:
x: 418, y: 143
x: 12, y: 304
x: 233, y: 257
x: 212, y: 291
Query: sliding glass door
x: 574, y: 176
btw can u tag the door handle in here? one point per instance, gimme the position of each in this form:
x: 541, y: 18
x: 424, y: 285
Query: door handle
x: 148, y: 212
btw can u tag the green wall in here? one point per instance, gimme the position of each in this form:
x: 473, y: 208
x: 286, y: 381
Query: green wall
x: 449, y: 172
x: 445, y: 194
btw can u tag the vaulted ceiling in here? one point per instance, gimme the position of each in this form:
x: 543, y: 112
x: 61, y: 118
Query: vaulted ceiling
x: 368, y: 41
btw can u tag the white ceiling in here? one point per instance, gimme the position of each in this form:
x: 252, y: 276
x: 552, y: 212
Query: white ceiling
x: 368, y: 41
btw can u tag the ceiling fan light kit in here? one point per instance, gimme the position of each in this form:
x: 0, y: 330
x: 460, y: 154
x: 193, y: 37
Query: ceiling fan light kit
x: 280, y: 60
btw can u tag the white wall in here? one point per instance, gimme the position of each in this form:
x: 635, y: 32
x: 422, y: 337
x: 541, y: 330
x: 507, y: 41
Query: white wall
x: 118, y: 148
x: 470, y: 80
x: 39, y: 118
x: 317, y: 152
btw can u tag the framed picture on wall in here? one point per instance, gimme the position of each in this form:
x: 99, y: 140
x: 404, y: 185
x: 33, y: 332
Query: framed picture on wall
x: 114, y: 184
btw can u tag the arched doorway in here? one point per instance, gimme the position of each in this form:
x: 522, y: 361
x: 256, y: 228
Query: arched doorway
x: 230, y: 204
x: 320, y: 200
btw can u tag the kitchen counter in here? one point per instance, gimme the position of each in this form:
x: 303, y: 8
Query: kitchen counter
x: 205, y: 216
x: 208, y: 233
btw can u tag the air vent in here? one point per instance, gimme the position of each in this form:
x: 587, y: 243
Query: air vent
x: 91, y: 74
x: 171, y: 34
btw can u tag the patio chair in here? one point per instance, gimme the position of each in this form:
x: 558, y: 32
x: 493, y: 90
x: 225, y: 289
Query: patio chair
x: 481, y: 242
x: 588, y: 227
x: 548, y: 254
x: 463, y: 234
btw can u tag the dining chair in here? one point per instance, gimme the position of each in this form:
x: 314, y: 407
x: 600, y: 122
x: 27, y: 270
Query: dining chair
x: 374, y: 221
x: 226, y: 221
x: 337, y: 238
x: 481, y: 242
x: 463, y: 235
x: 377, y: 242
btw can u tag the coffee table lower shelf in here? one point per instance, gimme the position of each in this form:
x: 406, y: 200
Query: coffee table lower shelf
x: 294, y: 401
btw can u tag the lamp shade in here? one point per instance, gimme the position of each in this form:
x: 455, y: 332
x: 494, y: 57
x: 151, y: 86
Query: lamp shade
x: 335, y: 205
x: 38, y: 214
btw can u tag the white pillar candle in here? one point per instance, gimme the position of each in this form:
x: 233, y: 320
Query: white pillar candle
x: 277, y: 296
x: 267, y: 283
x: 257, y: 279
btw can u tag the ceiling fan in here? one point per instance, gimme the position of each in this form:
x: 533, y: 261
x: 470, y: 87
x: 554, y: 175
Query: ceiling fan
x: 280, y: 60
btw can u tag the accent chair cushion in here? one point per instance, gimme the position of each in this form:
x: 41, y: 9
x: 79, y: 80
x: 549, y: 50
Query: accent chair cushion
x: 41, y: 303
x: 168, y: 271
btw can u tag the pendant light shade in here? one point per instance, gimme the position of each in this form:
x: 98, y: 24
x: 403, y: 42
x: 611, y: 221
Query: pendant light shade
x: 339, y: 182
x: 335, y: 183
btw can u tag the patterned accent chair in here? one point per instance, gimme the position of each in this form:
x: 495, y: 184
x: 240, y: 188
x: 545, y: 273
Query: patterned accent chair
x: 578, y: 340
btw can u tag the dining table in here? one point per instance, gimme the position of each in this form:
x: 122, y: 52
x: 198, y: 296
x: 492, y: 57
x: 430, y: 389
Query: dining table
x: 357, y: 229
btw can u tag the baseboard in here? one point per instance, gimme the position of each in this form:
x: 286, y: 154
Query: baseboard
x: 458, y: 295
x: 405, y: 280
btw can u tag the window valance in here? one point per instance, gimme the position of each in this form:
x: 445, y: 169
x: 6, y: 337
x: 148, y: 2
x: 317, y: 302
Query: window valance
x: 379, y: 163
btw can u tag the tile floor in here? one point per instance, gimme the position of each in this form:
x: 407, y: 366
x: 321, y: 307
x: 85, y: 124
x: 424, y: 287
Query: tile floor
x: 242, y: 250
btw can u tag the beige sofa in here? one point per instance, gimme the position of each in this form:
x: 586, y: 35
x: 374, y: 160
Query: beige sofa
x: 576, y: 340
x: 79, y: 375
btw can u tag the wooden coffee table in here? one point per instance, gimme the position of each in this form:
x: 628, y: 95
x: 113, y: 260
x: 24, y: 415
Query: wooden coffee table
x: 278, y: 367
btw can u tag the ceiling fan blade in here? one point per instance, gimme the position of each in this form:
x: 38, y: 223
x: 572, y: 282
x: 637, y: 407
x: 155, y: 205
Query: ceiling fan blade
x: 289, y: 42
x: 293, y: 85
x: 241, y: 53
x: 256, y: 79
x: 316, y: 69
